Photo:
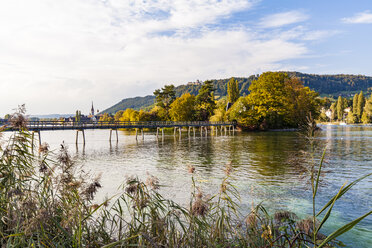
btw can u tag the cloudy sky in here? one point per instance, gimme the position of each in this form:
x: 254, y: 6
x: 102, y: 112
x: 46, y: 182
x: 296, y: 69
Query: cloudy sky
x: 58, y: 56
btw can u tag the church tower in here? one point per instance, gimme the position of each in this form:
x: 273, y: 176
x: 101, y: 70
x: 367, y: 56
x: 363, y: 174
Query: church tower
x: 92, y: 110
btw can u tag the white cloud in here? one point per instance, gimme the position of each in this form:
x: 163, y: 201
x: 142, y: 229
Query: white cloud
x: 57, y: 56
x: 362, y: 17
x: 283, y: 19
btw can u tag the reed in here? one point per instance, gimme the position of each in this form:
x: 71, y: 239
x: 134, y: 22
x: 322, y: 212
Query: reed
x: 47, y: 201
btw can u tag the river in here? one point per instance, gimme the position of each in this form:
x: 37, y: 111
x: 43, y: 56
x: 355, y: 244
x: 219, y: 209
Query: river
x: 267, y: 168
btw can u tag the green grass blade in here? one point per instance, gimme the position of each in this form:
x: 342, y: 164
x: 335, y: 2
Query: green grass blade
x: 343, y: 229
x: 319, y: 170
x: 326, y: 216
x: 344, y: 190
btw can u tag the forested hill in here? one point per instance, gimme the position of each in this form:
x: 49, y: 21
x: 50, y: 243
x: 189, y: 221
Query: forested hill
x: 330, y: 85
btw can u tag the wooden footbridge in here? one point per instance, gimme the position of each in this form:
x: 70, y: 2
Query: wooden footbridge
x: 203, y: 126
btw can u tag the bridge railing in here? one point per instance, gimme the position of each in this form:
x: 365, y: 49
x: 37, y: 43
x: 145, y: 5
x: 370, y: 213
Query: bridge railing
x: 116, y: 124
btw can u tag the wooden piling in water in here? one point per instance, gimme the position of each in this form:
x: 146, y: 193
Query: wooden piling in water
x: 32, y: 140
x: 39, y: 138
x: 83, y: 136
x: 77, y: 136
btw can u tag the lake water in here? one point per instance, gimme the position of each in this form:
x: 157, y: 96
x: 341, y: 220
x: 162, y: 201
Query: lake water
x: 264, y: 168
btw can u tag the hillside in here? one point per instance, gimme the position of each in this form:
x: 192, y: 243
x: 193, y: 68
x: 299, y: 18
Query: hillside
x: 326, y: 85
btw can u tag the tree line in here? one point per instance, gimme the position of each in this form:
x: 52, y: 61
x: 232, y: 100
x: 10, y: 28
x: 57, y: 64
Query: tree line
x: 325, y: 85
x: 275, y: 100
x: 355, y: 110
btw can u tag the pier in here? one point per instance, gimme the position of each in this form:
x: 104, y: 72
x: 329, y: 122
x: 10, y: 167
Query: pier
x: 204, y: 127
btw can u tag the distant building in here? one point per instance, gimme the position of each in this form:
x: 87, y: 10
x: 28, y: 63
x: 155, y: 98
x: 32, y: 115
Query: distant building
x: 84, y: 118
x: 194, y: 83
x: 328, y: 113
x: 92, y: 116
x: 92, y: 109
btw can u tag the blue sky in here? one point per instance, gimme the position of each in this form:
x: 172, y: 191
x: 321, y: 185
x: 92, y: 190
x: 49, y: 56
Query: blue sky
x: 58, y: 56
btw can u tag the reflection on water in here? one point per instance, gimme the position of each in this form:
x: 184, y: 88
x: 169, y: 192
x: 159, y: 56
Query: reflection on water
x: 262, y: 167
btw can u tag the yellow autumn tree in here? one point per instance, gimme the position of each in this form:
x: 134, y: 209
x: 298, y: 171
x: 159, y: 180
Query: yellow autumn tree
x: 183, y: 108
x: 278, y: 101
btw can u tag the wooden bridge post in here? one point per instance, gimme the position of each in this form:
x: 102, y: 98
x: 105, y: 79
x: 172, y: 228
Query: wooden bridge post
x: 216, y: 130
x: 180, y: 130
x: 174, y: 131
x: 136, y: 133
x: 162, y: 132
x: 143, y: 135
x: 201, y: 130
x: 157, y: 132
x: 77, y: 135
x: 83, y: 136
x: 110, y: 135
x: 206, y: 131
x: 117, y: 136
x: 39, y: 137
x: 188, y: 131
x: 32, y: 140
x: 193, y: 129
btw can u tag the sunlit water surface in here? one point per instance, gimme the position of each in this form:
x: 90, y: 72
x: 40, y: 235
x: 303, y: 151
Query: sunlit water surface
x: 265, y: 168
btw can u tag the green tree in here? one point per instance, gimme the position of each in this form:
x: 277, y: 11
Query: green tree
x: 355, y: 103
x: 280, y: 101
x: 205, y: 101
x: 361, y: 103
x: 183, y: 108
x: 301, y: 101
x: 242, y: 112
x: 351, y: 118
x: 129, y: 115
x: 220, y: 111
x: 340, y: 108
x: 144, y: 116
x: 232, y: 90
x: 164, y: 97
x: 367, y: 113
x: 106, y: 118
x: 78, y: 116
x: 159, y: 113
x: 118, y: 115
x: 333, y: 109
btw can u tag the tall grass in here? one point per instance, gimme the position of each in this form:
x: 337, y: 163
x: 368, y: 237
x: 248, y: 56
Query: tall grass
x: 46, y: 201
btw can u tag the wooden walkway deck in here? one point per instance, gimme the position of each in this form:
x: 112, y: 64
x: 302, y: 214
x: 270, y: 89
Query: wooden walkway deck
x: 60, y: 125
x: 37, y: 126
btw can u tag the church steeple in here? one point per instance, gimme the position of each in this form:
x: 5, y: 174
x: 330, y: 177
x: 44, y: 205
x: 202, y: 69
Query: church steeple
x: 92, y: 109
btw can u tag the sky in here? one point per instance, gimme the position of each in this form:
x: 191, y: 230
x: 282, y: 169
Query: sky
x: 59, y: 56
